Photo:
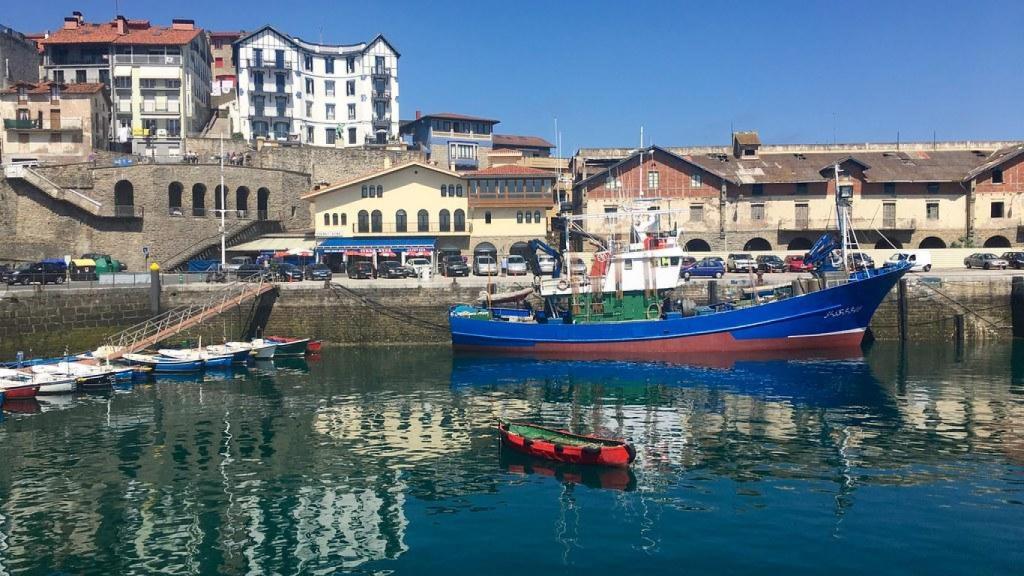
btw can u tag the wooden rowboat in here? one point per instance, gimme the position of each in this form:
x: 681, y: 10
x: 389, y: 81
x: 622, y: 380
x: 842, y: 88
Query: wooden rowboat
x: 563, y: 446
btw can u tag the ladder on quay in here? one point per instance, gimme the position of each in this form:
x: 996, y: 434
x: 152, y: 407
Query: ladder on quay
x: 177, y: 320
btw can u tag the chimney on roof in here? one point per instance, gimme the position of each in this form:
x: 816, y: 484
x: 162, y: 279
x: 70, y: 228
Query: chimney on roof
x: 183, y: 24
x: 71, y: 22
x: 745, y: 145
x: 121, y: 23
x: 419, y: 114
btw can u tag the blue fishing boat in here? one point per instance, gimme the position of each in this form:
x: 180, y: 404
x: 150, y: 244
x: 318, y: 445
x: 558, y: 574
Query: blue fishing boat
x: 624, y: 305
x: 163, y: 364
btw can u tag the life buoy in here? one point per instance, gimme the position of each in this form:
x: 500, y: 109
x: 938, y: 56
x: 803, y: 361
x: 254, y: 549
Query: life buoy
x: 655, y: 309
x: 563, y: 285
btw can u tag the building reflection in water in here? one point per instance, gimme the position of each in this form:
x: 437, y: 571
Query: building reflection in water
x: 291, y: 471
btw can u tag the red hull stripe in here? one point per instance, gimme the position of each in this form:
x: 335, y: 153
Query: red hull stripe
x: 718, y: 342
x: 21, y: 392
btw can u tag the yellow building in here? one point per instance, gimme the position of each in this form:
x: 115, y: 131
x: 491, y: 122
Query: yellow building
x: 409, y: 210
x: 509, y: 206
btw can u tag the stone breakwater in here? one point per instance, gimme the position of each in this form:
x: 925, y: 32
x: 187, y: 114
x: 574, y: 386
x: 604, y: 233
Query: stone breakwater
x: 925, y: 309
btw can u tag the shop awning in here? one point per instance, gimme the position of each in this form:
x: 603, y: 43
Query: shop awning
x: 275, y: 244
x: 378, y: 244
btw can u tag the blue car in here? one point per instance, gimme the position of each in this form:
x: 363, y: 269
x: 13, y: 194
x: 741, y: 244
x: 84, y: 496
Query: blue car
x: 709, y: 267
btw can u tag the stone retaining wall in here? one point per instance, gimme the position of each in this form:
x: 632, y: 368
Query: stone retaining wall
x: 43, y: 323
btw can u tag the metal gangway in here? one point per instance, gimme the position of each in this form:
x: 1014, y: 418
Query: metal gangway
x: 177, y: 320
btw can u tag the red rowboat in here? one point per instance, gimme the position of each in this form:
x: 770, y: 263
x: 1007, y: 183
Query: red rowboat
x: 562, y: 446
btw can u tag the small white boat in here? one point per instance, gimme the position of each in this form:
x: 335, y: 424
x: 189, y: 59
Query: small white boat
x: 87, y: 375
x: 258, y: 348
x: 46, y: 383
x: 209, y: 359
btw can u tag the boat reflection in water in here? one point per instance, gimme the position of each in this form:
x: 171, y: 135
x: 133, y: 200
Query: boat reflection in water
x: 599, y: 477
x: 818, y: 378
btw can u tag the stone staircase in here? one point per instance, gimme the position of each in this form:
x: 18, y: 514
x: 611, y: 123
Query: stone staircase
x: 51, y: 189
x: 209, y: 248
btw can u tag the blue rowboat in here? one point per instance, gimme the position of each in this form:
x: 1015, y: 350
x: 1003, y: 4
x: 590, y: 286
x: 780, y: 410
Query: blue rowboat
x: 1, y: 397
x: 225, y: 361
x: 164, y: 364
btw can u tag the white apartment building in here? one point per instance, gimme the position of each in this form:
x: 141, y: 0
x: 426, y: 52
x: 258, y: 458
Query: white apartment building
x: 159, y: 77
x: 317, y: 94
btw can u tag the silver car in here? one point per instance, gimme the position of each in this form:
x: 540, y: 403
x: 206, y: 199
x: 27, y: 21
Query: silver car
x: 485, y: 266
x: 986, y: 260
x: 546, y: 264
x: 516, y: 265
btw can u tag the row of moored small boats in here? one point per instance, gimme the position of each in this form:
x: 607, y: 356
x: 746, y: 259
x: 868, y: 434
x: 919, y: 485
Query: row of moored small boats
x: 95, y: 371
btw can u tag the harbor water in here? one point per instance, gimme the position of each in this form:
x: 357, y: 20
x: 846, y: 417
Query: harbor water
x: 385, y: 460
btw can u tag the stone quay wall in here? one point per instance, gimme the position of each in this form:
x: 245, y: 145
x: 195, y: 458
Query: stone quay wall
x: 45, y: 322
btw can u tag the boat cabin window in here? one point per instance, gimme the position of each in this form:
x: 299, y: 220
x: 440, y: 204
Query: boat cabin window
x: 628, y: 265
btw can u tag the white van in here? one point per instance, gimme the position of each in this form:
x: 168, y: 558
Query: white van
x: 920, y: 260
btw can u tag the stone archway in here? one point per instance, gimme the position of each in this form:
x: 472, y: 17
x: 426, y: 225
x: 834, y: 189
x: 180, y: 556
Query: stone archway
x: 199, y: 200
x: 175, y: 190
x: 998, y: 242
x: 932, y: 242
x: 263, y: 204
x: 884, y: 244
x: 242, y: 202
x: 697, y: 245
x: 799, y: 243
x: 757, y: 245
x: 124, y: 198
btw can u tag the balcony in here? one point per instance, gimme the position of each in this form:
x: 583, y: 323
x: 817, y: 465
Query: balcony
x: 148, y: 59
x: 383, y: 123
x: 800, y: 224
x: 382, y: 94
x: 272, y: 64
x: 412, y: 227
x: 380, y: 72
x: 64, y: 124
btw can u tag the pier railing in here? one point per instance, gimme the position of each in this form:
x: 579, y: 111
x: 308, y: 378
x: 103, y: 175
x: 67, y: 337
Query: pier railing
x: 163, y: 326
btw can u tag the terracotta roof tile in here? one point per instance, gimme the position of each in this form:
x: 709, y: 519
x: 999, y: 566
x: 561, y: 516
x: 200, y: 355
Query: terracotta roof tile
x: 106, y: 33
x: 44, y: 88
x: 521, y: 141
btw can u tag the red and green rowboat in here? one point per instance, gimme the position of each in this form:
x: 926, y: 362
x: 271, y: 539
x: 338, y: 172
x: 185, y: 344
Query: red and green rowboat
x: 563, y: 446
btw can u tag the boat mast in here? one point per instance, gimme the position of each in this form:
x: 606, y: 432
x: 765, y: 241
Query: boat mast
x: 841, y: 205
x: 223, y: 209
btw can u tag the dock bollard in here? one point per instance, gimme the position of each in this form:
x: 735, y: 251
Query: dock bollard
x: 154, y: 288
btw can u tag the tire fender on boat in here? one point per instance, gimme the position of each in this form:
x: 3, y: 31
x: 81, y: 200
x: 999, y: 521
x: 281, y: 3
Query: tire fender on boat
x: 654, y: 311
x: 562, y: 285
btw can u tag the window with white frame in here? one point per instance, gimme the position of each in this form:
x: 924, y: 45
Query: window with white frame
x: 330, y: 111
x: 696, y: 180
x: 351, y: 111
x: 653, y: 179
x: 329, y: 87
x: 350, y: 88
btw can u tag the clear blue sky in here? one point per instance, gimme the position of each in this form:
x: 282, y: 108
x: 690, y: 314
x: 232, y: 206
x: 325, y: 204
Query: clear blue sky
x: 687, y: 71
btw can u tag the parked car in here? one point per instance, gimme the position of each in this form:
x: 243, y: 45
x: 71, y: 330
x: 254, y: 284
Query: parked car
x: 795, y: 263
x: 40, y: 272
x: 235, y: 262
x: 920, y: 260
x: 318, y: 272
x: 452, y: 265
x: 769, y: 263
x: 685, y: 261
x: 289, y: 273
x: 5, y: 272
x: 419, y: 265
x: 251, y: 272
x: 545, y: 265
x: 485, y: 265
x: 740, y: 262
x: 1015, y: 259
x: 360, y: 269
x: 860, y: 261
x: 516, y: 265
x: 394, y: 269
x: 578, y: 267
x: 710, y: 267
x: 986, y: 260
